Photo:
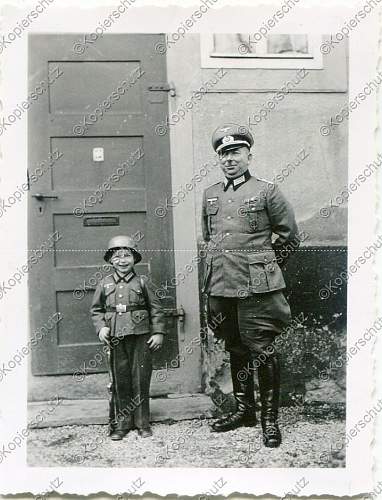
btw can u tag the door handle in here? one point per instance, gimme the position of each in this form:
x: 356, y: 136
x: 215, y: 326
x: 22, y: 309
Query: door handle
x: 163, y: 87
x: 176, y: 313
x: 40, y: 196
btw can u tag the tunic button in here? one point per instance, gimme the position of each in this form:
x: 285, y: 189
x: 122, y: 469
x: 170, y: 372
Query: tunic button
x: 120, y: 314
x: 120, y: 286
x: 120, y: 295
x: 227, y: 234
x: 229, y: 217
x: 230, y: 201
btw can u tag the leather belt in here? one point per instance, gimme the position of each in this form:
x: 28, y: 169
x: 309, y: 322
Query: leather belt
x: 122, y: 308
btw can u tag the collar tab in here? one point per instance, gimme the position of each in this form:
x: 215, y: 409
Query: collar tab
x: 237, y: 182
x: 118, y: 278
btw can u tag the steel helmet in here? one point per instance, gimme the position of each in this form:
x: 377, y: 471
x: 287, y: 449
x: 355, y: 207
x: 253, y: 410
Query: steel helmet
x: 122, y: 242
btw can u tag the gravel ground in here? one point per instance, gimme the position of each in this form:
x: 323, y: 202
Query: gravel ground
x: 307, y: 440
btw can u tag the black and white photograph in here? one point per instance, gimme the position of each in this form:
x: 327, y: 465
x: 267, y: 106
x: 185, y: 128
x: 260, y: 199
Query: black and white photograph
x: 189, y: 220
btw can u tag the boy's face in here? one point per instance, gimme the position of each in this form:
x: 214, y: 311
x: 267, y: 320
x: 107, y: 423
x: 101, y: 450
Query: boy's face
x: 122, y: 260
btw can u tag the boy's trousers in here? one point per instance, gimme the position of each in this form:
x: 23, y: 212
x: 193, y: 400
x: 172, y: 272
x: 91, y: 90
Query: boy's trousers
x: 131, y: 367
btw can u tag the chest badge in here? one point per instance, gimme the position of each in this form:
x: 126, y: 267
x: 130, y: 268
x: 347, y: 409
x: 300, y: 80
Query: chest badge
x: 211, y: 201
x: 250, y: 212
x: 251, y: 203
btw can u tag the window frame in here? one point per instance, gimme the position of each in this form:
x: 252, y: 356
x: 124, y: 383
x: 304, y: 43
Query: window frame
x: 313, y: 60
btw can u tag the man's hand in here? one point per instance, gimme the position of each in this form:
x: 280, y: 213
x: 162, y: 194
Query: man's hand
x: 155, y: 341
x: 104, y: 334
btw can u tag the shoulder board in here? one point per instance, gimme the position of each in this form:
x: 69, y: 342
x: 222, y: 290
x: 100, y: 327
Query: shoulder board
x: 138, y: 279
x: 142, y: 281
x: 108, y: 279
x: 143, y: 284
x: 219, y: 183
x: 265, y: 180
x: 215, y: 184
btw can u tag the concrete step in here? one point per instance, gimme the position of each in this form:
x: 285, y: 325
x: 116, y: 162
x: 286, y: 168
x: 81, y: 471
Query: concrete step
x: 95, y: 411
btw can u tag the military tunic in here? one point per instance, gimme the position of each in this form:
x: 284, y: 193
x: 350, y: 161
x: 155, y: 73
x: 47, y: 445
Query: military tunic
x: 143, y: 312
x: 242, y: 262
x: 239, y: 226
x: 129, y: 307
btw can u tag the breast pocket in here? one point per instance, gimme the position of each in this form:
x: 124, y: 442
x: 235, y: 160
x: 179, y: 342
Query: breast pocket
x: 109, y: 291
x: 255, y: 216
x: 212, y: 212
x: 136, y: 297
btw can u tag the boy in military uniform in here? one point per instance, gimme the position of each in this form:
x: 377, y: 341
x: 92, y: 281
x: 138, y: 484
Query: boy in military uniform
x: 243, y: 280
x: 128, y: 317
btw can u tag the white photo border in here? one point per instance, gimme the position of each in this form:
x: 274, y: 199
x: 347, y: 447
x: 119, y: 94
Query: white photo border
x: 357, y: 477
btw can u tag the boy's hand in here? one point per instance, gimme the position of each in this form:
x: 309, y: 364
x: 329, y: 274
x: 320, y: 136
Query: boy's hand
x: 155, y: 341
x: 104, y: 334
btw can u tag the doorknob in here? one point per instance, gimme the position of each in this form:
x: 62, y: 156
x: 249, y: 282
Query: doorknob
x: 40, y: 196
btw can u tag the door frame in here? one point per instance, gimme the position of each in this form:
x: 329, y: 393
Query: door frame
x: 189, y: 375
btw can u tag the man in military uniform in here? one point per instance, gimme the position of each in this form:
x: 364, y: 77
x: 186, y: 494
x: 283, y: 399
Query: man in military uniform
x: 243, y: 279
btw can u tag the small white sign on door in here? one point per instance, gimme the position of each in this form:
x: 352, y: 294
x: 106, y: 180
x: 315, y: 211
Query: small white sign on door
x: 98, y: 154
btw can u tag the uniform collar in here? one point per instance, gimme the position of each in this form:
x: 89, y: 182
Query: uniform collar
x: 126, y: 279
x: 237, y: 182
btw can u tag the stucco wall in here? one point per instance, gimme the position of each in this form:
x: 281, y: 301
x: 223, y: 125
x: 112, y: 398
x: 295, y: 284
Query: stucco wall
x: 290, y: 133
x: 287, y: 134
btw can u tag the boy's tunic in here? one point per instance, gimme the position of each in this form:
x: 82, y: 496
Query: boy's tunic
x: 129, y: 307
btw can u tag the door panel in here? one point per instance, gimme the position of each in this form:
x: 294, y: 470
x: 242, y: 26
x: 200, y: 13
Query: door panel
x: 128, y: 207
x: 70, y: 93
x: 74, y: 153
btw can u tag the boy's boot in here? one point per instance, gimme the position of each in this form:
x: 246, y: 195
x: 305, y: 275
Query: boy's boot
x: 119, y: 432
x: 144, y: 433
x: 269, y: 386
x: 243, y: 390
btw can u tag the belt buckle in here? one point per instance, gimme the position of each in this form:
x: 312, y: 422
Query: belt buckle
x: 120, y: 308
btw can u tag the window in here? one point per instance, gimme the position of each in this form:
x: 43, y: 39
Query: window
x: 278, y: 51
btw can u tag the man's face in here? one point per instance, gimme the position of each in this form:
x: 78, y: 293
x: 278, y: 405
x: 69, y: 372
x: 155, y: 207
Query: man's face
x: 235, y: 162
x: 123, y: 261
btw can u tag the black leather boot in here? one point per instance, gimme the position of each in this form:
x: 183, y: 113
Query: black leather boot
x: 243, y: 390
x: 269, y: 386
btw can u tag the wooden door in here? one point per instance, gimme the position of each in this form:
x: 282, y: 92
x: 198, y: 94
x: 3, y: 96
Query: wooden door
x: 94, y: 124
